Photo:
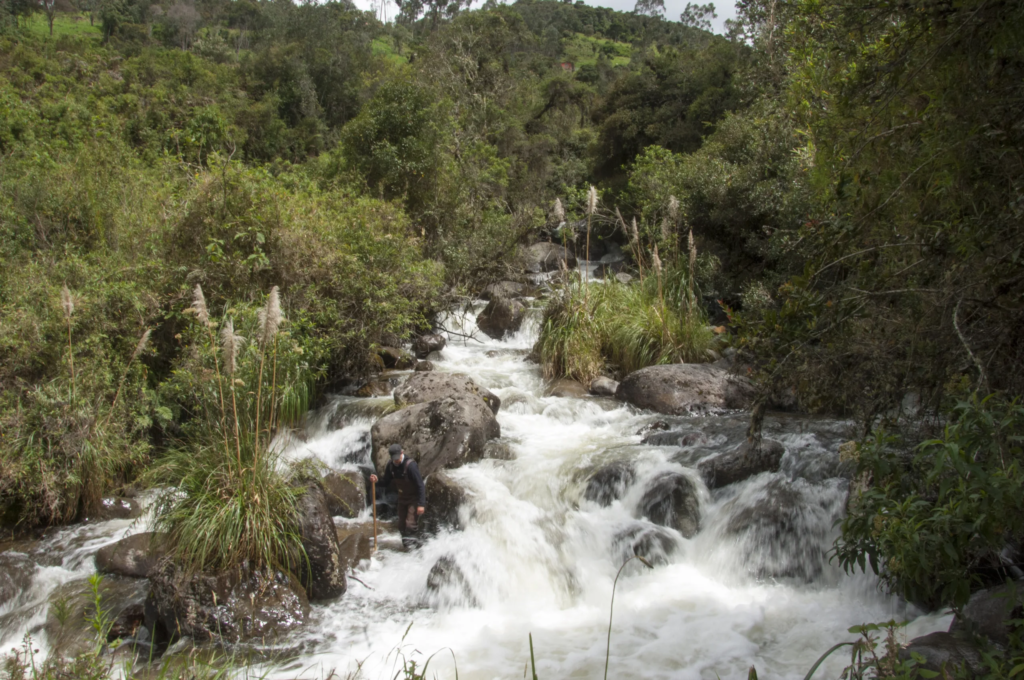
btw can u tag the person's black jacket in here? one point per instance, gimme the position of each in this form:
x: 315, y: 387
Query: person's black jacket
x: 408, y: 469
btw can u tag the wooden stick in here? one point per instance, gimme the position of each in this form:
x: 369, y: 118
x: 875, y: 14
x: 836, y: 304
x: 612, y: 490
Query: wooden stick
x: 373, y: 492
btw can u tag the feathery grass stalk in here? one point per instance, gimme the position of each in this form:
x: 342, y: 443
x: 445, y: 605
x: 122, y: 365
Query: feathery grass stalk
x: 673, y: 216
x: 230, y: 346
x: 202, y: 313
x: 639, y: 250
x: 591, y: 208
x: 68, y: 304
x: 139, y: 349
x: 270, y: 321
x: 693, y: 268
x: 661, y: 294
x: 560, y: 217
x: 611, y: 607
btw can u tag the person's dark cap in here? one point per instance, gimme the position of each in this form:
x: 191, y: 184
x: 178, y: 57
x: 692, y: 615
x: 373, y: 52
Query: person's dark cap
x: 395, y: 450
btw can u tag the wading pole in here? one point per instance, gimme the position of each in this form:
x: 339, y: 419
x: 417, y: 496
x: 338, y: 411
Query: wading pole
x: 373, y: 492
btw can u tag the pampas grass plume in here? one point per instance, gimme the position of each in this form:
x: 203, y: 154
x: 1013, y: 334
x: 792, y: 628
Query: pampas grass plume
x: 656, y: 260
x: 636, y: 232
x: 199, y: 305
x: 230, y: 344
x: 67, y: 302
x: 592, y: 200
x: 673, y: 208
x: 270, y: 317
x: 559, y: 210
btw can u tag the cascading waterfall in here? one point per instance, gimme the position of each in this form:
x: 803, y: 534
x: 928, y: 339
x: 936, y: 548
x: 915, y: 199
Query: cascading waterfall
x: 542, y: 540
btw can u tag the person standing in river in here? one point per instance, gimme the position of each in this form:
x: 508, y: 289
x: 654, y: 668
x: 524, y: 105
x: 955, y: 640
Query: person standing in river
x: 412, y: 494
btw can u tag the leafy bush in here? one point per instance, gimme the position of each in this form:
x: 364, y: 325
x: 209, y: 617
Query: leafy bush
x: 932, y: 520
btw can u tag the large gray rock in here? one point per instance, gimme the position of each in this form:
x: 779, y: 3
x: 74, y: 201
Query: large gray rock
x: 746, y: 460
x: 396, y: 358
x: 134, y: 555
x: 501, y: 317
x: 447, y: 585
x: 679, y: 389
x: 356, y: 541
x: 610, y: 482
x: 431, y: 386
x: 989, y: 612
x: 236, y: 605
x: 547, y: 257
x: 943, y: 654
x: 670, y: 499
x: 67, y: 629
x: 654, y: 543
x: 425, y: 344
x: 346, y: 493
x: 322, y: 572
x: 504, y: 289
x: 437, y: 434
x: 444, y: 498
x: 603, y: 386
x: 424, y: 366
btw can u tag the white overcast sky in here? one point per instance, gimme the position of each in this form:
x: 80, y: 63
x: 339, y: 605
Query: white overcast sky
x: 673, y: 8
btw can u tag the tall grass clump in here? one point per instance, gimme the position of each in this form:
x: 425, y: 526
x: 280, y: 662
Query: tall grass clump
x: 231, y: 500
x: 629, y: 326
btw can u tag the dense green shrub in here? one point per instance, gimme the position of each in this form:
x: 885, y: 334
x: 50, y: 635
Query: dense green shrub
x: 932, y: 519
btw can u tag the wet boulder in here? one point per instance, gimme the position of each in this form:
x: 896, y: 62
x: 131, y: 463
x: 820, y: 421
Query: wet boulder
x: 650, y: 541
x: 671, y: 499
x: 235, y: 605
x: 16, y: 574
x: 424, y: 387
x: 547, y: 257
x: 501, y: 317
x: 424, y: 366
x: 396, y: 358
x: 505, y: 289
x: 375, y: 388
x: 355, y: 540
x: 346, y: 493
x: 444, y: 498
x: 990, y: 613
x: 565, y: 387
x: 746, y: 460
x: 783, y: 532
x: 945, y: 654
x: 437, y: 434
x: 134, y: 555
x: 610, y: 482
x: 425, y: 344
x: 680, y: 389
x: 447, y: 585
x: 322, y: 572
x: 497, y: 449
x: 603, y: 386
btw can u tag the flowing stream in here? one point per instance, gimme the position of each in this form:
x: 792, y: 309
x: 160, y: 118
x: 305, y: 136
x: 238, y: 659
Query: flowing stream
x: 753, y: 587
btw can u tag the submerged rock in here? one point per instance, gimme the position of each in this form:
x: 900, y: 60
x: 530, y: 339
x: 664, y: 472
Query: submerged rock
x: 438, y: 434
x: 425, y: 344
x: 654, y: 543
x: 505, y: 289
x: 610, y: 482
x: 679, y: 389
x: 501, y: 317
x: 499, y: 450
x: 945, y: 654
x: 133, y: 556
x: 603, y: 386
x: 424, y: 366
x: 565, y: 387
x: 671, y: 499
x: 447, y: 584
x: 783, y: 532
x: 322, y: 572
x: 346, y: 493
x: 16, y: 574
x: 547, y: 257
x: 236, y: 605
x: 116, y: 507
x: 426, y: 387
x: 745, y: 461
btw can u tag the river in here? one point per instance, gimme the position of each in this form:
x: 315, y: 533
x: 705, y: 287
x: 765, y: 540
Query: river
x: 538, y: 558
